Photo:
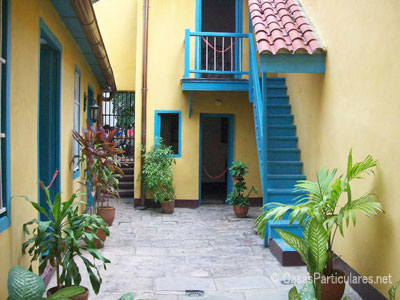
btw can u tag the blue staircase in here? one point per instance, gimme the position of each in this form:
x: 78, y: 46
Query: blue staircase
x: 278, y: 152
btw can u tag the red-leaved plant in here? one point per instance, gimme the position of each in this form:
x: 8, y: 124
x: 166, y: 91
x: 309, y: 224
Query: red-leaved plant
x: 101, y: 160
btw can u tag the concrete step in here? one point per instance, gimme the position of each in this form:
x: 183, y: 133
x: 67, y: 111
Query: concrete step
x: 126, y: 193
x: 286, y: 255
x: 127, y: 178
x: 126, y: 185
x: 128, y: 171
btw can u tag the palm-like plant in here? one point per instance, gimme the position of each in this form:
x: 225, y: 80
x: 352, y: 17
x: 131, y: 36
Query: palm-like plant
x: 62, y: 238
x: 320, y: 201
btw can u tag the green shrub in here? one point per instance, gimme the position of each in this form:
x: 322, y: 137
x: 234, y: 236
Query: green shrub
x: 237, y: 197
x: 157, y: 172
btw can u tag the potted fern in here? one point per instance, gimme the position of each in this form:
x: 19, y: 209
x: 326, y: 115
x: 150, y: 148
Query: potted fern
x: 320, y: 202
x: 157, y: 176
x: 237, y: 198
x: 63, y: 237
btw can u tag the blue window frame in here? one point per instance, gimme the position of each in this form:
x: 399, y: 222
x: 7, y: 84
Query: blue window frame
x: 168, y: 126
x: 77, y: 120
x: 5, y: 193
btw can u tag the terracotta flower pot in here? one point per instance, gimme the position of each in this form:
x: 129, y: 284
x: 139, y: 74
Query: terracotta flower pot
x: 102, y: 236
x: 84, y: 296
x: 167, y: 207
x: 240, y: 211
x: 333, y: 286
x: 107, y: 213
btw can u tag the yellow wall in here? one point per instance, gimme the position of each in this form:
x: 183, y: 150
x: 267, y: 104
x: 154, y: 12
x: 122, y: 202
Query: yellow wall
x: 117, y: 22
x: 356, y: 104
x: 24, y: 91
x: 168, y: 21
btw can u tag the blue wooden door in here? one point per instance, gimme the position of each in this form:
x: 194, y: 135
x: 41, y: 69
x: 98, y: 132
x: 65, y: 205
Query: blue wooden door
x: 49, y: 120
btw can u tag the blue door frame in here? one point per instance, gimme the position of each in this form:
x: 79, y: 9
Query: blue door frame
x: 49, y: 111
x: 231, y: 126
x: 89, y: 197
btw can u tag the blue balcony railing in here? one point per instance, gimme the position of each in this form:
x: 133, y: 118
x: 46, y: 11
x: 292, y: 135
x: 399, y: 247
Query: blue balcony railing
x: 216, y: 55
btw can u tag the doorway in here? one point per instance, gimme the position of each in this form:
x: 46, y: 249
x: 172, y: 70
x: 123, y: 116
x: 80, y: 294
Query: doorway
x: 218, y: 52
x: 49, y: 113
x: 216, y: 156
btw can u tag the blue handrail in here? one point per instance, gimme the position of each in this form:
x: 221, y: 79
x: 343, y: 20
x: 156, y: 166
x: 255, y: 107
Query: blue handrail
x: 215, y: 55
x: 260, y: 114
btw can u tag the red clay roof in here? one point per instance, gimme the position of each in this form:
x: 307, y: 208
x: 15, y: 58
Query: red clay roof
x: 280, y: 26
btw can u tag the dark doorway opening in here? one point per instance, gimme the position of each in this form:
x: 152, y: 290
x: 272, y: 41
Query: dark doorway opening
x: 214, y: 159
x: 49, y: 116
x: 218, y: 52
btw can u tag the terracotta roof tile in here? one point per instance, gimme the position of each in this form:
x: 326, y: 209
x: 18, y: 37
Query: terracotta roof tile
x: 280, y: 26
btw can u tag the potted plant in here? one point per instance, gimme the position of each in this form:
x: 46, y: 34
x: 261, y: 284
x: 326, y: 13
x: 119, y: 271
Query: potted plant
x: 100, y: 158
x: 63, y: 237
x: 237, y: 198
x: 108, y: 187
x: 157, y: 176
x: 320, y: 201
x: 25, y: 285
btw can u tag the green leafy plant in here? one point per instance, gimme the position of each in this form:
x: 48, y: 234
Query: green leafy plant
x: 392, y: 291
x: 25, y: 285
x: 124, y: 107
x: 99, y: 157
x: 312, y: 250
x: 62, y: 238
x: 320, y: 201
x: 238, y: 197
x: 157, y: 172
x: 128, y: 296
x: 109, y: 187
x: 307, y: 292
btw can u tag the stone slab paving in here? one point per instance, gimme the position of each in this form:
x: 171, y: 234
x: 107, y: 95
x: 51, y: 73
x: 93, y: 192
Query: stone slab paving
x: 159, y: 257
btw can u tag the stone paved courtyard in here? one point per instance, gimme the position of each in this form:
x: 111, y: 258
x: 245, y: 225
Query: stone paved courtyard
x: 157, y: 256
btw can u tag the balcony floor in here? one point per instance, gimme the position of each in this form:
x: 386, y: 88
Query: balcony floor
x: 158, y: 256
x: 215, y: 84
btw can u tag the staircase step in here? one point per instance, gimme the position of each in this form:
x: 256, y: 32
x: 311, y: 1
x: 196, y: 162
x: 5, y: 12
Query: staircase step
x: 285, y: 254
x: 276, y: 89
x: 127, y: 178
x: 282, y: 130
x: 126, y: 185
x: 284, y: 196
x: 280, y: 119
x: 284, y: 225
x: 285, y: 167
x: 284, y: 181
x: 129, y: 164
x: 126, y: 193
x: 282, y: 141
x: 277, y: 99
x: 283, y: 154
x: 128, y: 171
x: 275, y: 81
x: 278, y: 109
